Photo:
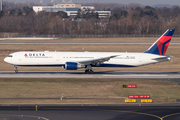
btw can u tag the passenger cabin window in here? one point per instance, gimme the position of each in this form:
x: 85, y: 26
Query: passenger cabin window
x: 10, y: 56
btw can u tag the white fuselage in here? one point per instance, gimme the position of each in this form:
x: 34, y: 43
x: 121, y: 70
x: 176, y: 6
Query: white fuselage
x: 60, y: 58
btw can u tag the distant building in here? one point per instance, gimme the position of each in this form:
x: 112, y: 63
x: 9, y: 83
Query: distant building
x: 70, y: 9
x: 70, y: 5
x: 104, y: 14
x: 88, y: 7
x: 55, y: 8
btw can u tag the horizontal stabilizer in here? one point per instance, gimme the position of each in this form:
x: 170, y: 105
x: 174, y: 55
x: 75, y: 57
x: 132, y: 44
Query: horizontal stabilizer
x: 162, y: 58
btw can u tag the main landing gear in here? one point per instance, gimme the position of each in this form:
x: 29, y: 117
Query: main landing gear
x: 89, y: 70
x: 16, y: 71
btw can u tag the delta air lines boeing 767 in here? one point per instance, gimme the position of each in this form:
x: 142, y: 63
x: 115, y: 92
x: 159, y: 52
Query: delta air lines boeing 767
x: 87, y: 60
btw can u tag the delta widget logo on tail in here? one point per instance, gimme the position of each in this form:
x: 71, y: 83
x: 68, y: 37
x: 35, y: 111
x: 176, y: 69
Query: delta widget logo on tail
x: 163, y: 44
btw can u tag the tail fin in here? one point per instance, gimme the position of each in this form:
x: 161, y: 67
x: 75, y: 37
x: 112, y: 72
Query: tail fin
x: 161, y: 45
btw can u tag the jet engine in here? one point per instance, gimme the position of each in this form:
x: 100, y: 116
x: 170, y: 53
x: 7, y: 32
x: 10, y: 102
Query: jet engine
x: 73, y: 66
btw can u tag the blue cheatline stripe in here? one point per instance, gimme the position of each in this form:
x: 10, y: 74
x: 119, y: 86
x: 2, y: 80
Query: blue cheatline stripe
x: 164, y: 46
x: 154, y: 50
x: 60, y: 65
x: 56, y: 65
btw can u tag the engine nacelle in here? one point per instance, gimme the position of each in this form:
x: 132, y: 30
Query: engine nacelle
x: 73, y: 66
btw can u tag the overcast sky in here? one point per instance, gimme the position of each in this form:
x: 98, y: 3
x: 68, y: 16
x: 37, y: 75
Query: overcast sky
x: 143, y: 2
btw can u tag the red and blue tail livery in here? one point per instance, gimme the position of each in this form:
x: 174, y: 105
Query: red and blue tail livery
x: 161, y: 45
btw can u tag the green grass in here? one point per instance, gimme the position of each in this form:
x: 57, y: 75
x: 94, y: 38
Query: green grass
x: 86, y: 88
x: 37, y: 102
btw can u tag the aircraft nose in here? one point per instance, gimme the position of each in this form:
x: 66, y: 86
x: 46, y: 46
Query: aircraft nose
x: 6, y: 59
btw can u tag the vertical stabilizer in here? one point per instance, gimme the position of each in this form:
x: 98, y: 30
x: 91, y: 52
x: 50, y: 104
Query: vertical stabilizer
x: 161, y: 45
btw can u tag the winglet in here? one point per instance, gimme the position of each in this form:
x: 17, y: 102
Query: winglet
x: 161, y: 45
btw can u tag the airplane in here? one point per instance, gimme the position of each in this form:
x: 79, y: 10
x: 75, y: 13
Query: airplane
x: 87, y: 60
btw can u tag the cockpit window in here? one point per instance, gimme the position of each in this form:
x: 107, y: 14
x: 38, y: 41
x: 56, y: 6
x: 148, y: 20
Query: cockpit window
x: 10, y: 56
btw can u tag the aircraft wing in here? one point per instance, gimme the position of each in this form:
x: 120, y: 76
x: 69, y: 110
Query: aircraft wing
x: 96, y: 61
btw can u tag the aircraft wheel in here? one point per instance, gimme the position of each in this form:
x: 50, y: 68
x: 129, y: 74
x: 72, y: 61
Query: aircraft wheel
x: 16, y: 71
x: 89, y: 72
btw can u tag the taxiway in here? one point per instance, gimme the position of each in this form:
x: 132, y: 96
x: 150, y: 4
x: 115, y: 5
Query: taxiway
x: 75, y: 74
x: 90, y: 112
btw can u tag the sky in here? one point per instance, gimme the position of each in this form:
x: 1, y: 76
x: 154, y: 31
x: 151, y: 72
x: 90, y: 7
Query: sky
x: 143, y: 2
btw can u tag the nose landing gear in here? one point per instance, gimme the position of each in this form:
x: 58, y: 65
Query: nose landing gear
x: 16, y: 71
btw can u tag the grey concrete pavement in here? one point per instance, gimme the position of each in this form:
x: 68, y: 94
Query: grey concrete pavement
x: 37, y: 74
x: 88, y: 112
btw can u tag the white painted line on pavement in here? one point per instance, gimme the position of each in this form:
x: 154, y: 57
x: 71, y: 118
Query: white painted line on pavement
x: 136, y: 75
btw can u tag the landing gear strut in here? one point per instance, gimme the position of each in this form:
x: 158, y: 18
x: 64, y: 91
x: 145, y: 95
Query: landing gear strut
x: 16, y: 71
x: 89, y: 70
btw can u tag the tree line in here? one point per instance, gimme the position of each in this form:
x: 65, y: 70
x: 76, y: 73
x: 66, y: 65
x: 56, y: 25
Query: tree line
x: 132, y: 19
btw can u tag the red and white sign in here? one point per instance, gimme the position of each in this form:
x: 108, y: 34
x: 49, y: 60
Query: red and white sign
x: 139, y: 96
x: 144, y: 96
x: 131, y: 86
x: 133, y: 96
